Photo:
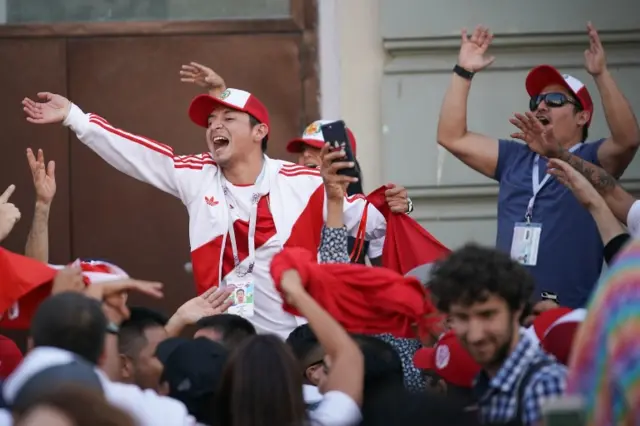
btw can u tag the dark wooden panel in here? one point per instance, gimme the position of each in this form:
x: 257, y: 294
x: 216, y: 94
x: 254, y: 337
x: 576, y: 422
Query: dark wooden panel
x: 30, y: 66
x: 133, y: 82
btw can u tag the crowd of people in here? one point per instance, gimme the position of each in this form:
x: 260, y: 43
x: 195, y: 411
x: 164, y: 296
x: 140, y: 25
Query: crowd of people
x: 321, y: 305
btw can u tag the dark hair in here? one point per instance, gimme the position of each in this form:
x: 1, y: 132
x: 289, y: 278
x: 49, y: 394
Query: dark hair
x: 131, y: 338
x: 382, y: 363
x: 261, y: 386
x: 82, y: 406
x: 234, y: 328
x: 73, y: 322
x: 254, y: 122
x: 302, y: 341
x: 472, y: 273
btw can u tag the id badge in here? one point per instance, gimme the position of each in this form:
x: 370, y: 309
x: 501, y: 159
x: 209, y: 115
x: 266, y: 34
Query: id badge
x: 242, y: 296
x: 526, y: 242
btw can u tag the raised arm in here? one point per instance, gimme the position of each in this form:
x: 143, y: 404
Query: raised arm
x: 44, y: 182
x: 475, y: 150
x: 618, y: 150
x: 139, y: 157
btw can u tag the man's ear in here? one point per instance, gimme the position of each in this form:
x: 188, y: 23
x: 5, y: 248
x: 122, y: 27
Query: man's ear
x: 126, y: 367
x: 262, y: 130
x: 583, y: 117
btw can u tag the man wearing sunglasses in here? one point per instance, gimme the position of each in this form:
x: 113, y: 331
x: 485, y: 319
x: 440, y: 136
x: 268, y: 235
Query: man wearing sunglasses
x: 540, y: 222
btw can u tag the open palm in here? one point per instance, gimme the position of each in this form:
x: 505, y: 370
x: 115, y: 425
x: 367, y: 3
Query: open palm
x: 202, y: 76
x: 472, y: 50
x: 52, y: 108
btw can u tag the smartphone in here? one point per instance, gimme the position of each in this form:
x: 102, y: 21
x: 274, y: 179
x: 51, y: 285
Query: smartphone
x: 336, y: 134
x: 565, y: 411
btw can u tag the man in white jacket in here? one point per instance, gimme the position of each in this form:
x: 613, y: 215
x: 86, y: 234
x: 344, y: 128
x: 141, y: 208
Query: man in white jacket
x: 243, y: 206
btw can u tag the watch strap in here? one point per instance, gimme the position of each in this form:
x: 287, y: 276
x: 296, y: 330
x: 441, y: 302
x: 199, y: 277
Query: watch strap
x: 462, y: 72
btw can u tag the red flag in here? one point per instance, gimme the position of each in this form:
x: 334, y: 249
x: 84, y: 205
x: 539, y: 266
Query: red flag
x: 26, y: 282
x: 407, y: 246
x: 362, y: 298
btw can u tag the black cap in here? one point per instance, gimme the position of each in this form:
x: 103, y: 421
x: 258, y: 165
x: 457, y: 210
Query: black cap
x: 193, y: 370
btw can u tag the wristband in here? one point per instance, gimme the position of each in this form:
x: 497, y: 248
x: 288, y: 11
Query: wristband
x: 112, y: 328
x: 466, y: 74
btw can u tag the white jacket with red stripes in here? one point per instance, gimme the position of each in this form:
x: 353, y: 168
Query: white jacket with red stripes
x: 292, y: 214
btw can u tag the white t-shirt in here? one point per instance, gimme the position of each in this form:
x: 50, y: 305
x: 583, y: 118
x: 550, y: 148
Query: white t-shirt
x: 268, y: 315
x: 633, y: 219
x: 336, y: 409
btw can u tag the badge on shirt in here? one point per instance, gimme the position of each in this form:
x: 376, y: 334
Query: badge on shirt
x: 242, y: 295
x: 526, y: 242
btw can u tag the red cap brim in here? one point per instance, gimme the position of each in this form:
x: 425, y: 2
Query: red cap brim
x: 543, y: 76
x: 424, y: 359
x: 296, y: 146
x: 203, y: 105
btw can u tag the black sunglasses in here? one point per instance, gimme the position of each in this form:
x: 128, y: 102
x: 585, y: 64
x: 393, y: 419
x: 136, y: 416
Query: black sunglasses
x: 552, y: 100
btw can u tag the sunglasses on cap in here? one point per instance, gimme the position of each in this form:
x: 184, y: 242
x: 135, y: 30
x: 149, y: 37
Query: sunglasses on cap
x: 552, y: 100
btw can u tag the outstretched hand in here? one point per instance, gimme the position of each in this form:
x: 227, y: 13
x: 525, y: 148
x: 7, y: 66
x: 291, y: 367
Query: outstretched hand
x: 582, y: 189
x: 535, y: 135
x: 52, y: 108
x: 44, y: 177
x: 594, y: 58
x: 202, y: 76
x: 472, y: 49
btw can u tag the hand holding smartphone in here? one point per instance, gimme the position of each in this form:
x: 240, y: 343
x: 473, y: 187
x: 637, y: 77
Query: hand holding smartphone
x: 335, y: 133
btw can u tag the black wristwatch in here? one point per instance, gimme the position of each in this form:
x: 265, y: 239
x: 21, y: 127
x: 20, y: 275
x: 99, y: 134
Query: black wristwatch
x: 462, y: 72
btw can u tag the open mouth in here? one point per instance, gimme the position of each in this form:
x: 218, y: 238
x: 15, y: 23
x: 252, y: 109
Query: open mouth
x: 220, y: 142
x: 543, y: 119
x: 312, y: 165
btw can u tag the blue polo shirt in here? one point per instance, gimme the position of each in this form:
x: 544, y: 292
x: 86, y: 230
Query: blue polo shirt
x: 570, y: 255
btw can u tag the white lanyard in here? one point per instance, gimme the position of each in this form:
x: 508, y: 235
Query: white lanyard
x: 262, y: 188
x: 537, y: 185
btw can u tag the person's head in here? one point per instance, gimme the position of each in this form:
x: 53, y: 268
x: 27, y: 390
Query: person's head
x: 240, y: 295
x: 483, y: 291
x: 561, y: 102
x: 71, y: 406
x: 192, y: 371
x: 228, y: 329
x: 73, y: 322
x: 237, y: 125
x: 382, y: 365
x: 306, y: 348
x: 308, y: 146
x: 139, y: 336
x: 261, y: 385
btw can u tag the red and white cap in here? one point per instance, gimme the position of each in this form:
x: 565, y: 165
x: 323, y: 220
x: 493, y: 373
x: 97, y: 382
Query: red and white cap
x: 546, y: 75
x: 239, y: 100
x: 558, y: 339
x: 545, y: 320
x: 450, y: 360
x: 312, y: 136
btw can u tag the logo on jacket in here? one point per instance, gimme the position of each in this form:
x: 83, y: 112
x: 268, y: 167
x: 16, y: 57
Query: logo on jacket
x: 210, y: 200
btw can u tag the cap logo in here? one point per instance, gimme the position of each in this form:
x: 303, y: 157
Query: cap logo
x: 442, y: 357
x: 225, y: 94
x: 312, y: 129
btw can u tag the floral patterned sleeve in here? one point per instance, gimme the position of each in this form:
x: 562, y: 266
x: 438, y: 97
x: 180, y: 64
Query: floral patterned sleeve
x: 334, y: 246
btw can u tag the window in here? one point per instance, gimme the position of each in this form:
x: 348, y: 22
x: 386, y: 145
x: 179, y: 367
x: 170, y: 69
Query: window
x: 49, y: 11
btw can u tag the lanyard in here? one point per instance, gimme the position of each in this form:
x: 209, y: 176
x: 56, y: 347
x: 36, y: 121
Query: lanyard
x: 537, y: 185
x: 262, y: 188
